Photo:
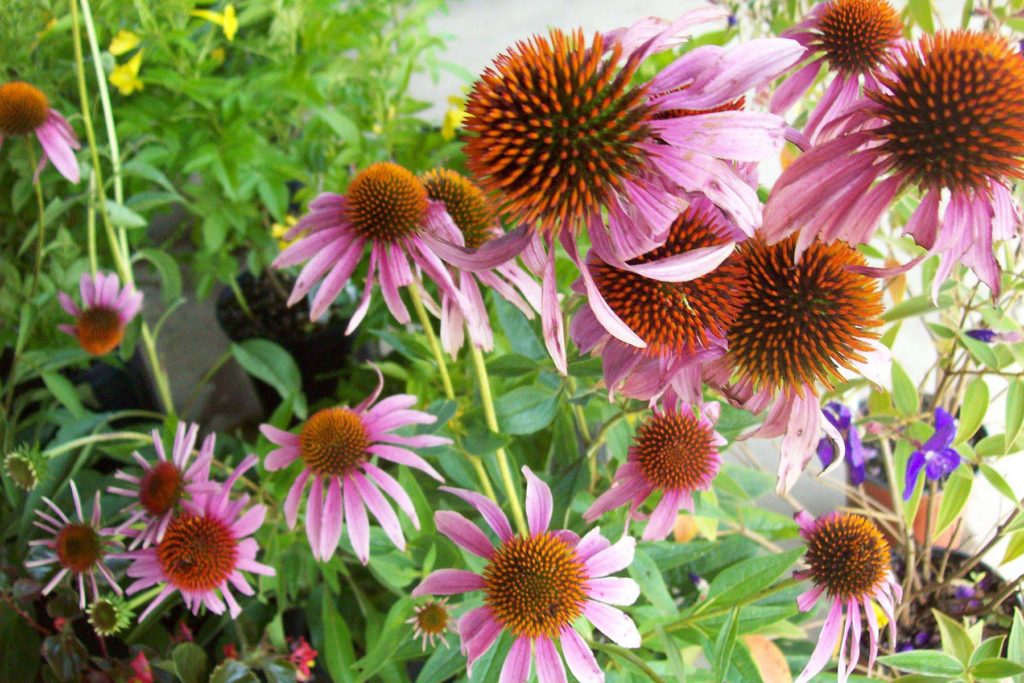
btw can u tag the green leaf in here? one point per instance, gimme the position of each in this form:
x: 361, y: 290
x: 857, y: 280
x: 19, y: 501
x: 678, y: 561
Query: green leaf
x: 972, y: 410
x: 338, y: 654
x: 924, y: 662
x: 170, y: 274
x: 1014, y: 412
x: 64, y: 391
x: 1015, y: 548
x: 747, y: 577
x: 996, y: 668
x: 233, y: 671
x: 956, y: 641
x: 383, y: 647
x: 269, y: 362
x: 916, y: 306
x: 954, y: 497
x: 121, y: 216
x: 441, y: 666
x: 998, y: 482
x: 1015, y: 644
x: 981, y: 351
x: 725, y: 643
x: 652, y: 584
x: 526, y: 410
x: 987, y: 650
x: 921, y: 11
x: 904, y: 393
x: 190, y: 663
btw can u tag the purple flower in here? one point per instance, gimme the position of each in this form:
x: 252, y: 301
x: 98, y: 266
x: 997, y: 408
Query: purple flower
x: 840, y: 417
x: 935, y: 456
x: 989, y: 336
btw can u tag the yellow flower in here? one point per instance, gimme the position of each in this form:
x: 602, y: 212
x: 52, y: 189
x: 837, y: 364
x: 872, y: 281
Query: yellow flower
x: 218, y: 55
x: 453, y: 117
x: 125, y: 41
x: 278, y: 231
x: 228, y: 20
x: 125, y: 77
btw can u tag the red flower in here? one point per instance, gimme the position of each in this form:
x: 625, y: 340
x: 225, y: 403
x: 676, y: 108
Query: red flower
x: 304, y: 658
x: 140, y: 667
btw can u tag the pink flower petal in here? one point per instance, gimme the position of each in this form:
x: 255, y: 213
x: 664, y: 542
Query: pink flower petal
x: 355, y: 518
x: 580, y: 659
x: 614, y: 623
x: 463, y: 533
x: 488, y: 509
x: 826, y: 644
x: 478, y: 630
x: 58, y: 150
x: 391, y: 487
x: 538, y: 503
x: 404, y: 457
x: 449, y: 582
x: 314, y: 513
x: 332, y: 520
x: 612, y: 559
x: 380, y: 508
x: 517, y: 663
x: 549, y: 664
x: 291, y: 503
x: 664, y: 516
x: 614, y: 590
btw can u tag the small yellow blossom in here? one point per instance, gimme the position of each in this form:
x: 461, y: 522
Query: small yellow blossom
x: 125, y: 41
x: 228, y: 20
x: 218, y: 55
x: 278, y: 231
x: 125, y: 77
x: 453, y: 118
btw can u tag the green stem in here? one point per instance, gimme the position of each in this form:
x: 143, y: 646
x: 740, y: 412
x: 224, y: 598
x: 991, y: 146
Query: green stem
x: 142, y: 598
x: 117, y: 248
x: 96, y: 438
x: 90, y: 227
x: 628, y: 655
x: 41, y: 206
x: 492, y: 423
x: 435, y: 349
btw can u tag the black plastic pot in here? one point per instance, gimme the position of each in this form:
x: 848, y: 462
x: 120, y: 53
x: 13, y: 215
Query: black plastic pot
x: 117, y: 386
x: 321, y: 351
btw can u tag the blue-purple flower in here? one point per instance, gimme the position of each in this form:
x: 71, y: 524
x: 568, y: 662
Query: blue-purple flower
x: 991, y: 336
x: 856, y: 454
x: 935, y: 457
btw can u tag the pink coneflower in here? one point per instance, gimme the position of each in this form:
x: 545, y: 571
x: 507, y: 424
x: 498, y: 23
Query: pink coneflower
x: 336, y: 445
x: 205, y: 547
x: 947, y: 117
x: 156, y: 494
x: 851, y: 37
x: 565, y: 139
x: 683, y: 324
x: 106, y: 311
x: 25, y: 109
x: 78, y: 547
x: 385, y: 206
x: 675, y: 452
x: 848, y: 563
x: 432, y: 621
x: 535, y: 587
x: 801, y: 324
x: 469, y: 220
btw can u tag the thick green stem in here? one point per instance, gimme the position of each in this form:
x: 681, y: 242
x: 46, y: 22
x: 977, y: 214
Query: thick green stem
x: 41, y: 207
x: 118, y: 247
x: 435, y: 346
x: 492, y: 423
x: 449, y: 391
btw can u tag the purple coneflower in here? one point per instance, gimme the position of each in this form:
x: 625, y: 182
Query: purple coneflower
x: 25, y: 109
x: 535, y: 587
x: 79, y: 548
x: 851, y: 37
x: 947, y: 117
x: 156, y: 494
x: 106, y: 311
x: 336, y: 446
x: 566, y: 139
x: 432, y: 621
x: 801, y: 324
x: 385, y: 206
x: 675, y: 452
x: 682, y: 324
x: 204, y: 551
x: 469, y: 220
x: 848, y: 563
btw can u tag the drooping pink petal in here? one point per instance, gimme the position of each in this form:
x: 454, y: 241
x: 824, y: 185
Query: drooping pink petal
x: 291, y: 503
x: 809, y: 598
x: 449, y: 582
x: 391, y: 487
x: 404, y: 457
x: 579, y: 658
x: 826, y: 643
x: 57, y: 149
x: 463, y: 533
x: 332, y: 520
x: 314, y: 513
x: 478, y: 629
x: 380, y: 508
x: 355, y: 519
x: 614, y: 623
x: 549, y: 664
x: 517, y: 663
x: 664, y: 516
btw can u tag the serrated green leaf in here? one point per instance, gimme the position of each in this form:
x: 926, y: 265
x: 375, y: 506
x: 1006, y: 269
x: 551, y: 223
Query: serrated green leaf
x: 972, y: 410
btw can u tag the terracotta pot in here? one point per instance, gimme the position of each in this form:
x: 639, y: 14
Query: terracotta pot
x: 878, y: 491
